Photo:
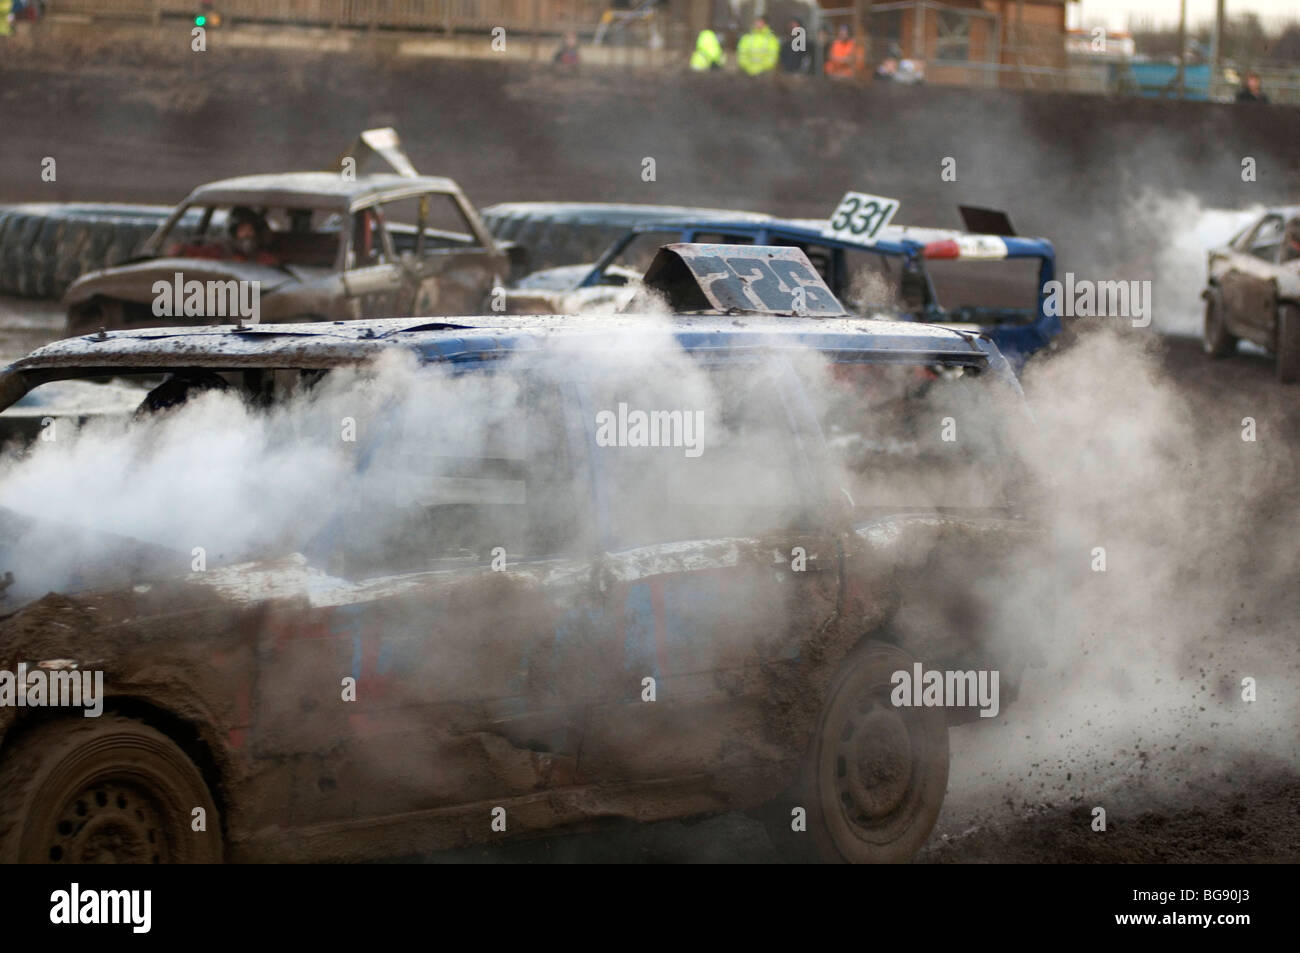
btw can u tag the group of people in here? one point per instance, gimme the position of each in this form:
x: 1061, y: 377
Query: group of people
x: 761, y: 51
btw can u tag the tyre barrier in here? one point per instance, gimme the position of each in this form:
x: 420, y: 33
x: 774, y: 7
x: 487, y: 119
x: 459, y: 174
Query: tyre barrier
x: 45, y: 247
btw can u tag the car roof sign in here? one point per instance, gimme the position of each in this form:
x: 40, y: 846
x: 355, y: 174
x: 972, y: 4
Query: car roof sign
x: 746, y: 279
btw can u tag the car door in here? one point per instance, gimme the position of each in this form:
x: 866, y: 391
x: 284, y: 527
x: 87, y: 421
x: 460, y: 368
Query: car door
x: 714, y: 573
x: 448, y: 265
x: 462, y: 617
x: 1248, y: 283
x: 372, y: 278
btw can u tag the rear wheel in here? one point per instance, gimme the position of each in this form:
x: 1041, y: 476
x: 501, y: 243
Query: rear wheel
x: 103, y: 790
x: 1215, y: 337
x: 877, y: 774
x: 1288, y: 343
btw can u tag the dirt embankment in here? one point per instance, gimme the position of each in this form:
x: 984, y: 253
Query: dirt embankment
x: 146, y: 124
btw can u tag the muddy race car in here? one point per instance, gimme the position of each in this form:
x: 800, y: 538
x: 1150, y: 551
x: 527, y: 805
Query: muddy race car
x: 1253, y: 291
x: 525, y: 602
x: 989, y: 283
x: 304, y: 246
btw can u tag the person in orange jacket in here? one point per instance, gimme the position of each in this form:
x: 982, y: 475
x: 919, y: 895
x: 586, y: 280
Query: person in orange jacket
x: 846, y: 58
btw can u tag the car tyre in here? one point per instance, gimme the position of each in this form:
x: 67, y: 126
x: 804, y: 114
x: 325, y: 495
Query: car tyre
x: 1288, y: 343
x: 1214, y: 336
x: 876, y: 775
x: 103, y: 790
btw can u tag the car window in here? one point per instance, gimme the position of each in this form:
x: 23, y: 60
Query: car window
x: 493, y: 468
x: 367, y: 246
x: 284, y: 235
x: 915, y: 436
x: 1003, y: 291
x: 444, y: 222
x: 870, y: 284
x: 696, y: 453
x: 641, y: 250
x: 1266, y: 241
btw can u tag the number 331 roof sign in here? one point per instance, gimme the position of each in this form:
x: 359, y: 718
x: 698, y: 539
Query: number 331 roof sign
x: 859, y: 217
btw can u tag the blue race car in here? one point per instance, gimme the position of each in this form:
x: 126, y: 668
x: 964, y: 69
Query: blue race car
x: 992, y: 284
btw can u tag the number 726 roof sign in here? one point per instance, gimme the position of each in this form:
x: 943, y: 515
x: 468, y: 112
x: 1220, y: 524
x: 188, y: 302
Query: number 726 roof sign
x: 860, y: 217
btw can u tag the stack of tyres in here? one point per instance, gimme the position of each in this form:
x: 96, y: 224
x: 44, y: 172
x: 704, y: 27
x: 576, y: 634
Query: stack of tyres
x: 45, y: 247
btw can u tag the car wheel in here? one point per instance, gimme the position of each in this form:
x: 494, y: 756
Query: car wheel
x: 1288, y: 343
x: 103, y: 790
x: 1215, y: 337
x: 877, y: 774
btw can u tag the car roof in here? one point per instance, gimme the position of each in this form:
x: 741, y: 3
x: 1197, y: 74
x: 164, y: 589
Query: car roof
x: 327, y: 190
x: 893, y: 239
x: 439, y: 340
x: 1286, y: 211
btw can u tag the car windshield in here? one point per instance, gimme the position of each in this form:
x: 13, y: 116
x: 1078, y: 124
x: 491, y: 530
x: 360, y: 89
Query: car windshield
x: 1004, y: 291
x: 269, y: 235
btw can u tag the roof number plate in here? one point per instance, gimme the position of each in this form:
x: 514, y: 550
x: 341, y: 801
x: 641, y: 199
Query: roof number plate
x: 859, y: 217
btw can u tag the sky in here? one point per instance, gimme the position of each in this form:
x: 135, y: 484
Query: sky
x: 1115, y: 13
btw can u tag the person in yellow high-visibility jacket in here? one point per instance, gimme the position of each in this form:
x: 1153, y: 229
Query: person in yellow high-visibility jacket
x: 708, y: 52
x: 6, y: 8
x: 758, y: 50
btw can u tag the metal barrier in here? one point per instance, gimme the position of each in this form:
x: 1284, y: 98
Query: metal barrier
x: 442, y: 15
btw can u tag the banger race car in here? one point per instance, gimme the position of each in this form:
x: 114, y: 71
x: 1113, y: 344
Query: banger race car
x: 304, y: 246
x: 545, y: 619
x: 993, y: 284
x: 1253, y: 291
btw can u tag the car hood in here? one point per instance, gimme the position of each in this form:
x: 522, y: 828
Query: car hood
x: 135, y: 282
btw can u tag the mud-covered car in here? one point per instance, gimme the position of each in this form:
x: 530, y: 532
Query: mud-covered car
x: 1253, y: 291
x: 989, y: 283
x: 515, y: 608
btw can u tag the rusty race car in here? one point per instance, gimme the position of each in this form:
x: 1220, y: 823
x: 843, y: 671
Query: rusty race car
x: 542, y: 620
x: 1253, y: 291
x: 305, y: 246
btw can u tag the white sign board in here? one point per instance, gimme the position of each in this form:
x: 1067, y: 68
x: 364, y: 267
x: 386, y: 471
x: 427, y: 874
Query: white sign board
x: 859, y: 217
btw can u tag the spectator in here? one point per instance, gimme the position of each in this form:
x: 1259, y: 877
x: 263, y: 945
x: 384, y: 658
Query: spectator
x: 794, y: 50
x: 708, y: 52
x: 1251, y: 91
x: 6, y: 9
x: 758, y: 50
x: 887, y: 70
x: 567, y: 54
x: 846, y: 55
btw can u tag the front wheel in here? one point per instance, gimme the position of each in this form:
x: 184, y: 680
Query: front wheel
x: 877, y: 774
x: 103, y: 790
x: 1288, y: 343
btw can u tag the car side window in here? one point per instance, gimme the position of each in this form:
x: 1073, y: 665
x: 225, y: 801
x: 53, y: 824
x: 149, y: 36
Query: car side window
x: 1266, y: 241
x: 426, y: 224
x: 466, y: 469
x: 367, y: 247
